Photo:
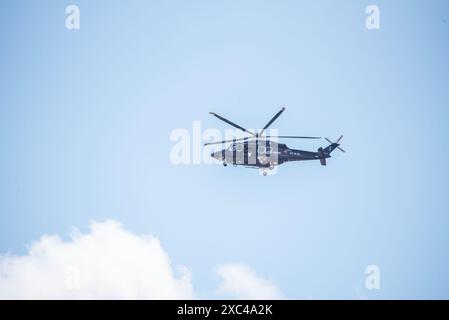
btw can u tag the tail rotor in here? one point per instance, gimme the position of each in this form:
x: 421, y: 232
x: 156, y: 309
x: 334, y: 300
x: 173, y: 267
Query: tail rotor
x: 336, y: 142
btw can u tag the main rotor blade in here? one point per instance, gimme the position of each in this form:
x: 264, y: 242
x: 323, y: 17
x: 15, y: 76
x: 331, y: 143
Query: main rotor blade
x: 341, y: 149
x: 226, y: 141
x: 259, y: 138
x: 292, y: 137
x: 328, y: 140
x: 272, y: 120
x: 232, y: 123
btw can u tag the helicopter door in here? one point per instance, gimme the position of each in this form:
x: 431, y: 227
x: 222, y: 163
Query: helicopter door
x: 240, y: 154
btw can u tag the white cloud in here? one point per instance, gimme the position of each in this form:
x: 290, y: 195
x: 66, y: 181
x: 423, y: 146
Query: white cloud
x: 241, y: 282
x: 110, y: 262
x: 107, y: 263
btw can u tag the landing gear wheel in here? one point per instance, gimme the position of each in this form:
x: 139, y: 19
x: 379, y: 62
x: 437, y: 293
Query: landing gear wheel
x: 264, y: 173
x: 225, y: 164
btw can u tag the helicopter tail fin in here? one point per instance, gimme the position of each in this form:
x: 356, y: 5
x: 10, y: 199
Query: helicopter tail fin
x: 322, y: 156
x: 325, y: 152
x: 333, y: 145
x: 323, y: 161
x: 328, y: 150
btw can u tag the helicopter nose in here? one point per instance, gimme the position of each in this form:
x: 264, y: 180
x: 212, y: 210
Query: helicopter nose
x: 216, y: 155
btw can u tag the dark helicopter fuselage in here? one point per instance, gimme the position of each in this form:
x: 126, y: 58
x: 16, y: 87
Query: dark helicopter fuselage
x: 268, y: 153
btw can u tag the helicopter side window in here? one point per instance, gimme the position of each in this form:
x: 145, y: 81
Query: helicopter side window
x: 261, y: 149
x: 232, y: 147
x: 240, y: 147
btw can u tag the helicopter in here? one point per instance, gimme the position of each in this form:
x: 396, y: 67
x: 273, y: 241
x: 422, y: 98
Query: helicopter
x: 263, y: 152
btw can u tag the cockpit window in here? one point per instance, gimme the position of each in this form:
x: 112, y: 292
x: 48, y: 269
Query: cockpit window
x: 236, y: 147
x: 232, y: 147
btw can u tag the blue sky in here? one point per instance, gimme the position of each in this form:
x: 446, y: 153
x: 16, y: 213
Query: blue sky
x: 85, y: 119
